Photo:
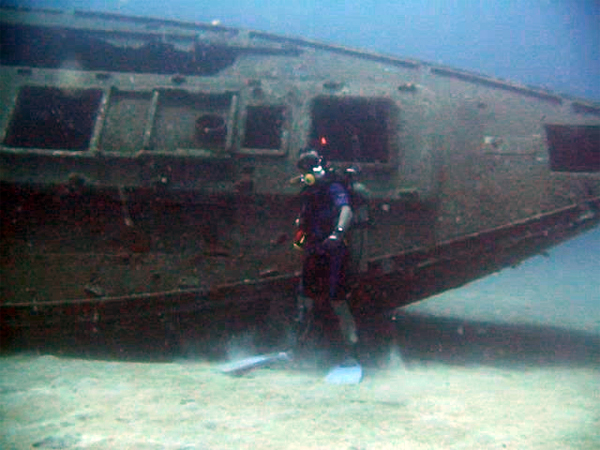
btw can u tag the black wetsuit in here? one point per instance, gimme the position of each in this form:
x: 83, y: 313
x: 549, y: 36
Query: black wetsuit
x: 324, y: 268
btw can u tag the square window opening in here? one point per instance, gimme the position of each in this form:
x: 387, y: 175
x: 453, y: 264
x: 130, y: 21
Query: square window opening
x: 264, y: 125
x: 353, y: 129
x: 53, y: 119
x: 574, y: 148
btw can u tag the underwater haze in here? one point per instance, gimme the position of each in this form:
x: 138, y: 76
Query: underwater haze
x: 553, y: 44
x: 550, y: 44
x: 510, y: 361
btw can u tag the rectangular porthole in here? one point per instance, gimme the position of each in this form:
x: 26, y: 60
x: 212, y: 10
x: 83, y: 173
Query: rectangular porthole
x: 353, y: 129
x: 53, y: 118
x: 264, y: 129
x: 574, y: 148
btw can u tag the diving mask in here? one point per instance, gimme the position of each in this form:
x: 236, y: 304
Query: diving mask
x: 311, y: 165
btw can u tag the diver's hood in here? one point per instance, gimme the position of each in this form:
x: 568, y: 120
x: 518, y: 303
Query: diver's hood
x: 308, y: 160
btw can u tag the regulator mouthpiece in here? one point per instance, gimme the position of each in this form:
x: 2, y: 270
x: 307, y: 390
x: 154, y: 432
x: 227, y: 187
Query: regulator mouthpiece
x: 309, y: 179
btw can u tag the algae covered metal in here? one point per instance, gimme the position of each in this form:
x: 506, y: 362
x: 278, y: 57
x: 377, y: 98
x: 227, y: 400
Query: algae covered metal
x: 145, y: 168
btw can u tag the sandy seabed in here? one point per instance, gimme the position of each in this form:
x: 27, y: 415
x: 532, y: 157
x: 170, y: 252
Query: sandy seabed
x: 51, y: 402
x: 511, y: 362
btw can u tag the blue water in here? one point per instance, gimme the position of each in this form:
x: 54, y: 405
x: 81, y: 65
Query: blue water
x: 558, y: 289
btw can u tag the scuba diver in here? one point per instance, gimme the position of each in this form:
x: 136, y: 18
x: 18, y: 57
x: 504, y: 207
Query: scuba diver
x: 322, y: 227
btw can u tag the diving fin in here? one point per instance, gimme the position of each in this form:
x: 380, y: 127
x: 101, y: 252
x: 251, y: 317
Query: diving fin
x: 242, y: 366
x: 349, y: 372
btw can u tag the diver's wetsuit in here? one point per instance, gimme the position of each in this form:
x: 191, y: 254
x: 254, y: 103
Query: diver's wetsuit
x: 323, y: 265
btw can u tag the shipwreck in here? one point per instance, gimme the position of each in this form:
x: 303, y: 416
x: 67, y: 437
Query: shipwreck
x: 145, y: 169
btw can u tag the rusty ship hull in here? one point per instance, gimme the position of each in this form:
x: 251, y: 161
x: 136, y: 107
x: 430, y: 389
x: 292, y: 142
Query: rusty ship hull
x: 145, y: 169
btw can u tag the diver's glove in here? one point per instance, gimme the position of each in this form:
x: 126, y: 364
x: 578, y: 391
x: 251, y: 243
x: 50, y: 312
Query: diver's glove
x: 335, y: 240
